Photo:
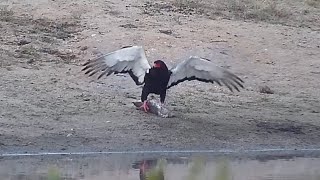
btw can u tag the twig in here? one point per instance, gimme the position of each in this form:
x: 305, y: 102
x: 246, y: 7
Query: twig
x: 218, y: 41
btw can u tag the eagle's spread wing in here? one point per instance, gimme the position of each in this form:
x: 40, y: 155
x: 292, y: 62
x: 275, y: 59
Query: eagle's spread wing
x: 130, y: 60
x: 196, y: 68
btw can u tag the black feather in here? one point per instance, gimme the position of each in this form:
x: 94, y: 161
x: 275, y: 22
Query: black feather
x: 192, y: 78
x: 135, y: 78
x: 103, y: 73
x: 126, y: 47
x: 226, y: 84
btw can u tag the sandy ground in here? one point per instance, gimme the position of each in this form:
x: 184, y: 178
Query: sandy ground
x: 48, y: 104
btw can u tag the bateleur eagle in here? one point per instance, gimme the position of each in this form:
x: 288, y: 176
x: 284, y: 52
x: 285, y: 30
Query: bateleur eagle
x: 158, y: 78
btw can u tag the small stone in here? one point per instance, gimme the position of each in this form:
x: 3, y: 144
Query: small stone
x: 83, y: 48
x: 265, y: 90
x: 24, y: 42
x: 130, y: 26
x: 30, y: 61
x: 167, y: 31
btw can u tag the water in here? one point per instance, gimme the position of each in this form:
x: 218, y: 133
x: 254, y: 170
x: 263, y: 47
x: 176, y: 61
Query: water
x: 169, y: 166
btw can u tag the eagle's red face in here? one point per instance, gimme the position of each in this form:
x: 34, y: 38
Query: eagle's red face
x: 157, y: 65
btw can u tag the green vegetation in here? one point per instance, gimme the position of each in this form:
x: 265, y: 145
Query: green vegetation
x: 5, y: 14
x: 196, y: 169
x: 262, y: 10
x: 157, y: 173
x: 313, y: 3
x: 53, y: 174
x: 195, y: 172
x: 223, y: 171
x: 286, y: 12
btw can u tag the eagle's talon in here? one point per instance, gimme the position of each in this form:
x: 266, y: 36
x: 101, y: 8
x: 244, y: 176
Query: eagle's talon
x: 145, y: 106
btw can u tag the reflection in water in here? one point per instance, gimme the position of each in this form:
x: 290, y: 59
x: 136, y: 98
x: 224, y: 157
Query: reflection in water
x: 129, y: 167
x: 150, y: 169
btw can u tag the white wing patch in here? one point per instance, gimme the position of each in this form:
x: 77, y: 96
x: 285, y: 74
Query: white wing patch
x: 196, y: 68
x: 130, y: 60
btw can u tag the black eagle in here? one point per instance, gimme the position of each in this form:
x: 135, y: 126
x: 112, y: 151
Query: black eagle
x: 158, y: 78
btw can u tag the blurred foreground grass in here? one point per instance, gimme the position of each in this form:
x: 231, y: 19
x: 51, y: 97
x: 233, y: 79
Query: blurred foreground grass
x: 195, y: 171
x: 53, y: 174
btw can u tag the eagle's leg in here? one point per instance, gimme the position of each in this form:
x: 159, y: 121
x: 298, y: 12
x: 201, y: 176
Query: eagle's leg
x: 145, y: 106
x: 162, y: 98
x: 144, y: 97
